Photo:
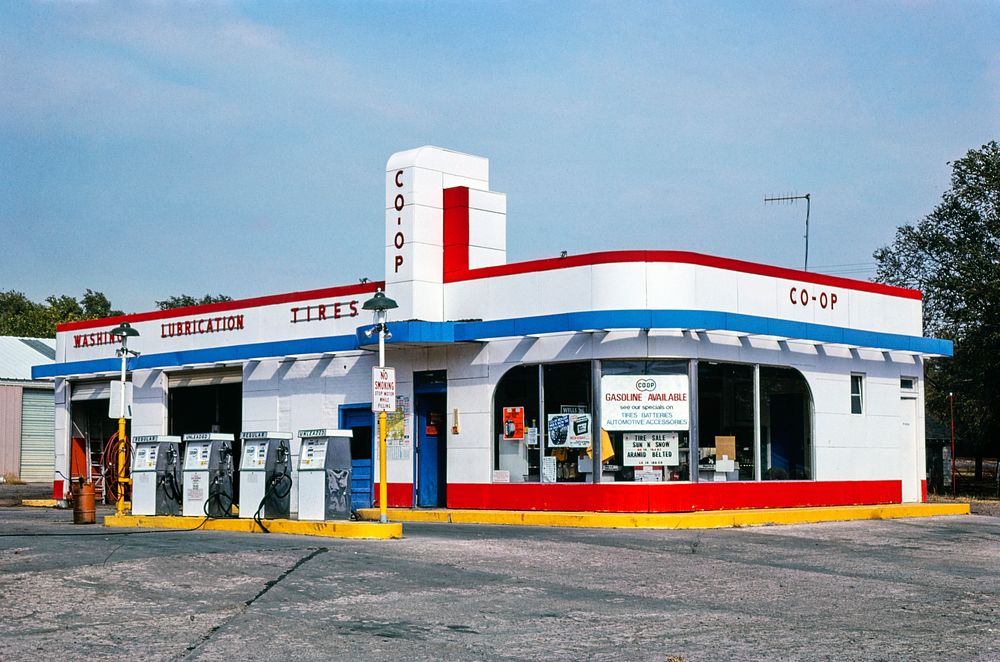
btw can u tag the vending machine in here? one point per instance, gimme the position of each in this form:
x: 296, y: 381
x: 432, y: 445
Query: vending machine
x: 208, y: 474
x: 325, y: 474
x: 156, y: 463
x: 265, y: 474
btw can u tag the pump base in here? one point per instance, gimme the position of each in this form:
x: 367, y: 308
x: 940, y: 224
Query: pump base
x: 328, y: 529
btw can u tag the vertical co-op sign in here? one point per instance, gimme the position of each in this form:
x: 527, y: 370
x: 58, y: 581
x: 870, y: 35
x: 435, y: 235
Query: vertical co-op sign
x: 383, y: 389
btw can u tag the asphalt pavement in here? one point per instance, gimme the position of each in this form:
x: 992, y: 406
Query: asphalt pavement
x: 872, y: 590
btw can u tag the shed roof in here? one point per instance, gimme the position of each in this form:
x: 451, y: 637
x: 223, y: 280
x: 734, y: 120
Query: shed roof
x: 18, y: 355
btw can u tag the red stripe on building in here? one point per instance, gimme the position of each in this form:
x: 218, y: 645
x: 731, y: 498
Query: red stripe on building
x: 399, y: 495
x: 256, y: 302
x: 667, y: 498
x: 456, y: 255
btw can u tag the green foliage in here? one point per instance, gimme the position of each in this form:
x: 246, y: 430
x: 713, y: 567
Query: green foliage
x: 96, y: 305
x: 182, y: 300
x: 953, y: 256
x: 19, y: 316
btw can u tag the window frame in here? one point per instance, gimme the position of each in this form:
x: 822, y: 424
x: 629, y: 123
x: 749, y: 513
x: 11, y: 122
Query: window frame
x: 859, y: 379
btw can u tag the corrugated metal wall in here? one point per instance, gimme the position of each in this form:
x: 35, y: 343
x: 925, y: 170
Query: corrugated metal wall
x: 10, y: 430
x: 38, y: 453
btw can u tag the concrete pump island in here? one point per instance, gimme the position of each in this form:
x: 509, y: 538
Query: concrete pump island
x: 621, y: 388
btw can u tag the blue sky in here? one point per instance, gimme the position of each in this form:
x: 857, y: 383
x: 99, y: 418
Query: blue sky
x: 240, y: 147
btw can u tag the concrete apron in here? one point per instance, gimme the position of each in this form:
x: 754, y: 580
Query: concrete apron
x: 710, y: 519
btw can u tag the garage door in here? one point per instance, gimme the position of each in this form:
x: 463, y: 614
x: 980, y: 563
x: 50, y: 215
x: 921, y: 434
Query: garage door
x: 90, y: 390
x: 37, y: 436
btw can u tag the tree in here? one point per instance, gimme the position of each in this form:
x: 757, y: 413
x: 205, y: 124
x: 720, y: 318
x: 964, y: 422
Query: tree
x: 96, y: 306
x: 19, y: 316
x: 182, y: 300
x: 953, y: 256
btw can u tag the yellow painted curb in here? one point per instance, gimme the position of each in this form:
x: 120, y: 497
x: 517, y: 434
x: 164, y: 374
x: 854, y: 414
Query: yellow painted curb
x: 40, y: 503
x: 696, y: 520
x: 328, y: 529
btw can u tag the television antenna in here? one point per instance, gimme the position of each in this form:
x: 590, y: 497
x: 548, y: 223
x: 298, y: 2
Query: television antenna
x: 791, y: 199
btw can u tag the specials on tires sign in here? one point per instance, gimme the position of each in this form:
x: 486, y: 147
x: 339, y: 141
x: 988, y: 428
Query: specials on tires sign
x: 645, y: 402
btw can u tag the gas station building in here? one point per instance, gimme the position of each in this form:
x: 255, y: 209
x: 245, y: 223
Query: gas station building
x: 624, y: 381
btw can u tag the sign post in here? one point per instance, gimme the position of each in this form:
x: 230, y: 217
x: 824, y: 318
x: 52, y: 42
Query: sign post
x: 383, y: 392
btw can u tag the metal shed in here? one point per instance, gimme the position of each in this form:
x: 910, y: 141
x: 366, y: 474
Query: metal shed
x: 27, y: 410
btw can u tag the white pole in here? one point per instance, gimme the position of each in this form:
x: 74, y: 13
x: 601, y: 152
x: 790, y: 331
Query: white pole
x: 381, y: 338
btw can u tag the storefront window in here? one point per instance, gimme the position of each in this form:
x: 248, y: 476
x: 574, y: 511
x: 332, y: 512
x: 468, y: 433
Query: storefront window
x: 568, y: 421
x: 545, y: 422
x: 645, y: 418
x: 725, y: 421
x: 552, y: 447
x: 515, y: 425
x: 785, y: 425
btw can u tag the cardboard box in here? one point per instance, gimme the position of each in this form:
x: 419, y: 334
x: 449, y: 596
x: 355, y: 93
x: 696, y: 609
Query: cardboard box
x: 725, y: 447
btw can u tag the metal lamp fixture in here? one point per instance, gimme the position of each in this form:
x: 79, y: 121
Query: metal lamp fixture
x: 379, y: 303
x: 123, y: 331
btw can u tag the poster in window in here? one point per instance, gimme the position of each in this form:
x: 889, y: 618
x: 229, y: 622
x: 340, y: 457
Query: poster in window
x: 513, y: 423
x: 651, y: 449
x: 398, y: 440
x: 569, y: 430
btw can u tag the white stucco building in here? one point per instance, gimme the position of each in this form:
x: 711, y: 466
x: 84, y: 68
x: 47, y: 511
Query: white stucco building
x: 704, y: 382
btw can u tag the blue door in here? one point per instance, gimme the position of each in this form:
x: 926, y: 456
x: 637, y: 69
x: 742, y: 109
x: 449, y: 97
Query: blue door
x: 431, y: 450
x: 359, y: 419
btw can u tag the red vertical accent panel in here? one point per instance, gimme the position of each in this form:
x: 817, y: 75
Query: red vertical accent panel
x: 456, y: 230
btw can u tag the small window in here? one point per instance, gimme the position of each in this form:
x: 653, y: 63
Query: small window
x: 908, y: 384
x: 857, y: 393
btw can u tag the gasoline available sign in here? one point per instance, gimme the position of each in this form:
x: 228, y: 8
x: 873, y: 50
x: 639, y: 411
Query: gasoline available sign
x: 645, y: 402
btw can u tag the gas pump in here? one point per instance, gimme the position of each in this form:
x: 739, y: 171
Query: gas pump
x: 156, y: 463
x: 208, y: 474
x: 265, y: 475
x: 325, y: 474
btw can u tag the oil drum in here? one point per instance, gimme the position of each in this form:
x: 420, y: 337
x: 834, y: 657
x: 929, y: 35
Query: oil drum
x: 83, y: 505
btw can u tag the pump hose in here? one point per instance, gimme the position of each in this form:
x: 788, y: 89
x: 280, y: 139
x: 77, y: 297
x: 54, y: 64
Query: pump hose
x: 109, y: 467
x: 170, y: 487
x: 272, y: 490
x: 217, y: 496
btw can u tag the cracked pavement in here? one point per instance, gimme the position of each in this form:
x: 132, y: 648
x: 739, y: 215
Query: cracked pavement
x: 899, y: 589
